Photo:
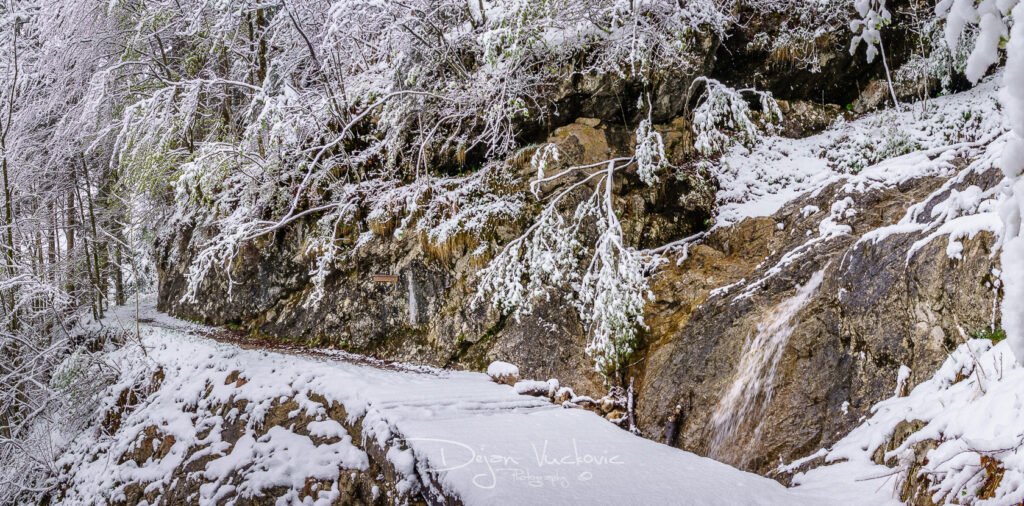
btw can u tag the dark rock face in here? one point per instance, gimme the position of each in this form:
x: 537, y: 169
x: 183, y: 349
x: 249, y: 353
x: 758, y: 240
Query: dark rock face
x: 877, y: 308
x: 759, y: 52
x: 427, y: 312
x: 428, y: 316
x: 805, y: 55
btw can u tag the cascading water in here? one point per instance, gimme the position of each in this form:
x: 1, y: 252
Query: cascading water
x: 413, y: 305
x: 752, y: 387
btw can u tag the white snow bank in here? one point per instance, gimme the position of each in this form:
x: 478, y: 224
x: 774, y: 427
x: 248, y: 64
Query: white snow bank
x: 499, y: 368
x: 475, y: 439
x: 503, y: 372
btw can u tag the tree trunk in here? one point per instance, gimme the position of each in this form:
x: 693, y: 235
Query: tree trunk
x: 11, y: 301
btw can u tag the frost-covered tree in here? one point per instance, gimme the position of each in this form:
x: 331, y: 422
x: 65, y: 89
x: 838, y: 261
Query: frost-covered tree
x: 722, y: 116
x: 606, y: 277
x: 70, y: 233
x: 988, y: 24
x: 868, y: 30
x: 363, y: 90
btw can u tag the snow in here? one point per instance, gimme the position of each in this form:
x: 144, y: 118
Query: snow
x: 902, y: 376
x: 1012, y: 164
x: 809, y: 210
x: 971, y: 408
x: 476, y: 439
x: 499, y: 369
x: 572, y: 457
x: 326, y: 428
x: 1013, y: 294
x: 281, y: 458
x: 759, y: 181
x: 964, y: 227
x: 534, y: 387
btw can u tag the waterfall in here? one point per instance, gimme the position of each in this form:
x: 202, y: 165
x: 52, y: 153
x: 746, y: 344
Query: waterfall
x: 413, y: 306
x: 753, y: 385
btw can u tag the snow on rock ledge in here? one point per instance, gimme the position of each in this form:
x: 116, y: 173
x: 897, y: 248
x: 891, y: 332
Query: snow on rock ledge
x: 503, y: 372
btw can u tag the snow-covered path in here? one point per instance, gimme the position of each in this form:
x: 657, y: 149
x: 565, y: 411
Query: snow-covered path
x: 456, y: 434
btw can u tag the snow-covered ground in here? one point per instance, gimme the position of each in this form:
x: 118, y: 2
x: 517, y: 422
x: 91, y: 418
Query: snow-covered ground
x: 474, y: 439
x: 881, y: 149
x: 483, y: 443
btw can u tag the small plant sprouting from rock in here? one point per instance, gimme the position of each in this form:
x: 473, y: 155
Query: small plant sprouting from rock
x: 995, y: 334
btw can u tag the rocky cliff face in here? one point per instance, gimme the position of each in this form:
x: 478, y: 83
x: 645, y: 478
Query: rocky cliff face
x: 410, y: 299
x: 880, y: 306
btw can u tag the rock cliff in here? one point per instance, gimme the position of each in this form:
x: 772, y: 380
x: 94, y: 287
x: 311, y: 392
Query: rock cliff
x: 884, y: 305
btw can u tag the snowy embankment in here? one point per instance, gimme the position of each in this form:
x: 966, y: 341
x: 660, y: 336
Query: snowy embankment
x: 241, y: 423
x: 956, y: 438
x: 881, y: 149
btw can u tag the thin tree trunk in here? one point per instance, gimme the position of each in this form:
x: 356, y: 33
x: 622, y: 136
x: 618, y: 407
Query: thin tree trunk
x: 100, y: 279
x: 9, y: 244
x: 52, y: 255
x: 119, y: 295
x: 69, y: 238
x: 86, y: 244
x: 8, y: 194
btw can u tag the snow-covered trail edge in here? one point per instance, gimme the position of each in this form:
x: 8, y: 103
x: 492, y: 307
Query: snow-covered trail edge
x: 449, y: 436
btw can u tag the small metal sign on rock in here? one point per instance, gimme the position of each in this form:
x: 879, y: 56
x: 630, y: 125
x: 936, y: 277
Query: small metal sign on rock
x: 385, y: 278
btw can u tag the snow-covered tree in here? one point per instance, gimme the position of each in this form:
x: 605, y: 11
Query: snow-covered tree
x: 868, y: 29
x: 991, y: 22
x: 722, y: 116
x: 606, y: 277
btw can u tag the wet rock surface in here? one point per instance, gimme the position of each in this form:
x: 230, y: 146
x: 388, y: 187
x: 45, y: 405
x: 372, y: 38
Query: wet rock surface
x: 877, y: 308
